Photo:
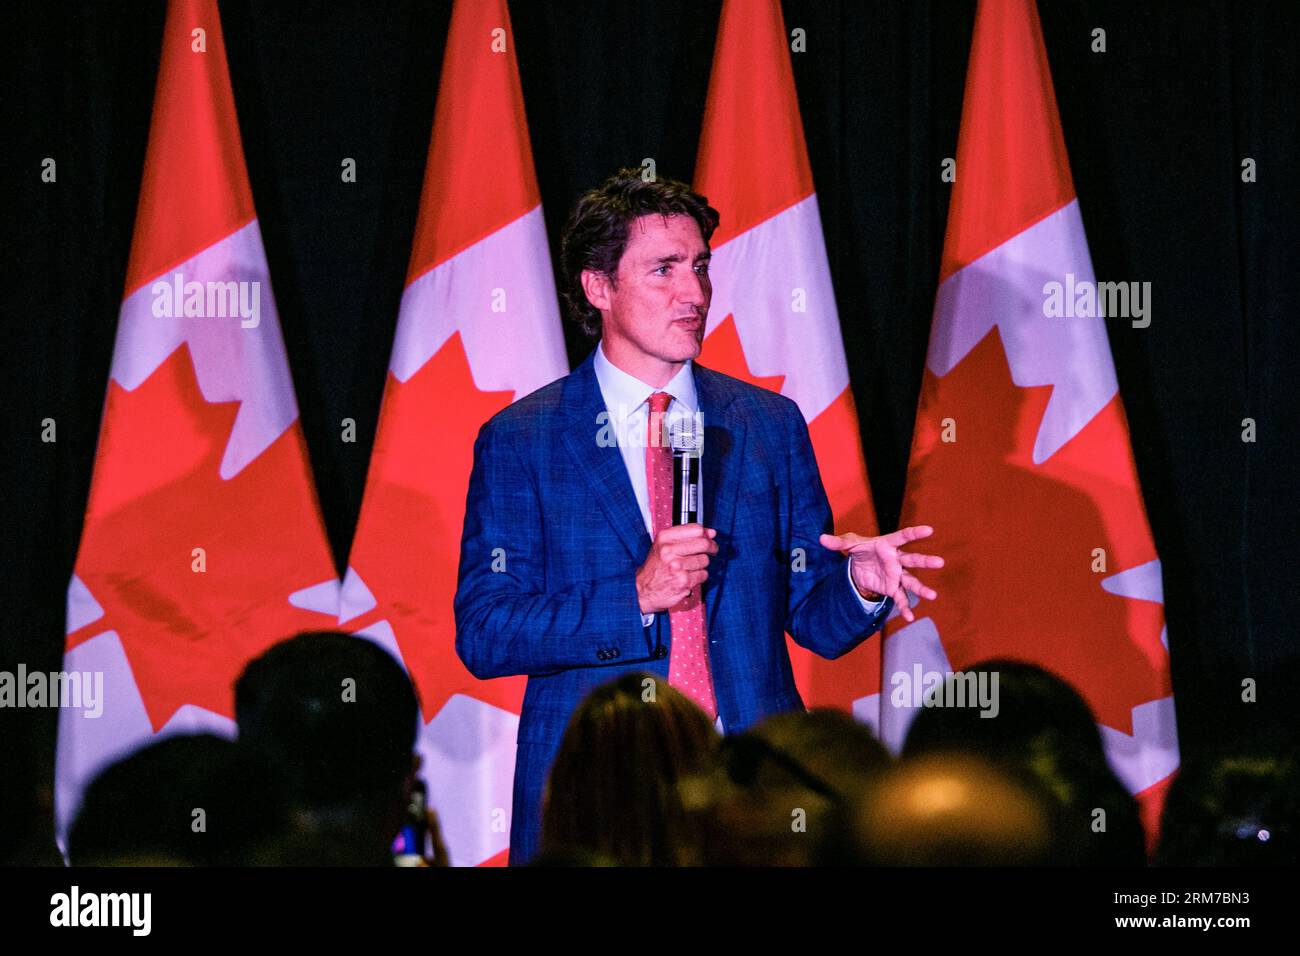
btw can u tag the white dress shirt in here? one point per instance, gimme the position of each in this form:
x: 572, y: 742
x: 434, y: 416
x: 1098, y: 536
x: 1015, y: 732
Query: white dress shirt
x: 627, y: 401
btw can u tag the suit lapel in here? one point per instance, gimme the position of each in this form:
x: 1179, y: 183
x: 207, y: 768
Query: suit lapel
x: 724, y: 450
x: 601, y: 466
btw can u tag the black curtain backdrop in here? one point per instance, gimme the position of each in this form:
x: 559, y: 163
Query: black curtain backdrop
x: 1157, y: 128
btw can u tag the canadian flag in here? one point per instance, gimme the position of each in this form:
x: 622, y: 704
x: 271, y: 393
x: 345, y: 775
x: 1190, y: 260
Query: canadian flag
x: 203, y: 542
x: 773, y: 321
x: 1021, y: 457
x: 478, y: 328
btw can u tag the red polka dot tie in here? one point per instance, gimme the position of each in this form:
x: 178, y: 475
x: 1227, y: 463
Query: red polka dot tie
x: 688, y: 663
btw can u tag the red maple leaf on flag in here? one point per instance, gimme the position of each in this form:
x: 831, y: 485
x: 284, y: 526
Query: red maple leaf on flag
x: 407, y: 548
x: 722, y: 352
x: 158, y: 495
x: 821, y: 683
x: 1019, y: 539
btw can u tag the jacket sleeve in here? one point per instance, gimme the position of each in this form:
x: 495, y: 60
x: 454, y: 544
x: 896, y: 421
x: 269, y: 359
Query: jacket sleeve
x: 825, y: 613
x: 507, y: 623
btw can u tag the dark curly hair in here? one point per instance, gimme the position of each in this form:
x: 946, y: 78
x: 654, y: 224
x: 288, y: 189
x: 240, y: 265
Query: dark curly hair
x: 596, y: 233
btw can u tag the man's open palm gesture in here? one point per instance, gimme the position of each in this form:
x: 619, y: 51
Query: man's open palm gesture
x: 881, y: 565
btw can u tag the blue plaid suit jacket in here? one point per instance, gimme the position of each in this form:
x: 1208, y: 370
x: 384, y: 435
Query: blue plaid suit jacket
x: 564, y: 609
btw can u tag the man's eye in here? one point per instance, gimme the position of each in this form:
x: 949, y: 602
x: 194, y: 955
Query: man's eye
x: 702, y: 268
x: 662, y: 270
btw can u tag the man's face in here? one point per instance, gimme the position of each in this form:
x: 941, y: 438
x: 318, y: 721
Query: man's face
x: 656, y: 310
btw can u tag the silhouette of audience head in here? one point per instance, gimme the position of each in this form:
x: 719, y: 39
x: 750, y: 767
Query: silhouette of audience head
x: 336, y: 717
x: 1044, y: 727
x: 778, y: 794
x: 197, y: 800
x: 829, y: 743
x: 26, y: 796
x: 613, y: 788
x: 1228, y: 810
x: 955, y: 810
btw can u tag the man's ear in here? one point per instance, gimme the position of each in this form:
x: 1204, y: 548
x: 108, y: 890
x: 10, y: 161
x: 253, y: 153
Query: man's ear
x: 597, y: 286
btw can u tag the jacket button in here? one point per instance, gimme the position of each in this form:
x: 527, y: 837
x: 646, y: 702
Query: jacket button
x: 614, y: 652
x: 661, y: 652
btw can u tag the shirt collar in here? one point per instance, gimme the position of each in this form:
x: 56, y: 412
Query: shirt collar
x: 625, y: 393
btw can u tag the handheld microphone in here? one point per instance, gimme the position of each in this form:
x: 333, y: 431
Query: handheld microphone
x: 687, y: 443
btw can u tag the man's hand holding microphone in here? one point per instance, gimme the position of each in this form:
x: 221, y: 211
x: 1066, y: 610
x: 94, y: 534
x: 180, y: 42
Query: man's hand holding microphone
x: 677, y: 564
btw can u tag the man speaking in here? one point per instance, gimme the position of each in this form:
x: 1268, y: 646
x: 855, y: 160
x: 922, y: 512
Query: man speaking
x: 576, y: 567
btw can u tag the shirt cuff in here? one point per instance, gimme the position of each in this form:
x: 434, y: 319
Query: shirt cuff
x: 871, y: 607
